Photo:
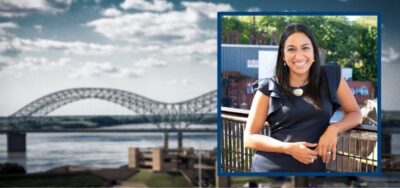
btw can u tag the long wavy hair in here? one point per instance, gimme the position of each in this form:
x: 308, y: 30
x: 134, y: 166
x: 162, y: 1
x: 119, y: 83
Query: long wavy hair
x: 312, y: 90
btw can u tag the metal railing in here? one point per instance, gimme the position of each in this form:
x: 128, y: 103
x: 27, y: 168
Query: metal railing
x: 356, y: 149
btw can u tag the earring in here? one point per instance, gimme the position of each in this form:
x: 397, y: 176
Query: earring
x: 284, y: 63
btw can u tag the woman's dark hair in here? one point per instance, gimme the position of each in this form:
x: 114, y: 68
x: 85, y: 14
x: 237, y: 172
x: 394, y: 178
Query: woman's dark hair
x: 282, y: 72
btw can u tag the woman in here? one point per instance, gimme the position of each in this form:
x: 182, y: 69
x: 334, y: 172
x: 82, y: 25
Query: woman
x: 298, y: 104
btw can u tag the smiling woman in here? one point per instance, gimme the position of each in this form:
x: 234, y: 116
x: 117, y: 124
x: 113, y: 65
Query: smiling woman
x: 298, y: 104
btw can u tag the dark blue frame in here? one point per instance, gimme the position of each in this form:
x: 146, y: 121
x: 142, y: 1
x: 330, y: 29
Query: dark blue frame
x: 378, y: 172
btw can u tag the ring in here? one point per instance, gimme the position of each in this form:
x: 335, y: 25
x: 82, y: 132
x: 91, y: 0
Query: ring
x: 329, y: 152
x: 312, y: 160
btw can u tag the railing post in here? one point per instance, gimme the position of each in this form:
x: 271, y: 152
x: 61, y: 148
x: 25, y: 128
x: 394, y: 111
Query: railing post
x: 221, y: 181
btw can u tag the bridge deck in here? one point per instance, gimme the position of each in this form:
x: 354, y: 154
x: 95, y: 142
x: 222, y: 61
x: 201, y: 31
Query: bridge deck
x: 193, y: 130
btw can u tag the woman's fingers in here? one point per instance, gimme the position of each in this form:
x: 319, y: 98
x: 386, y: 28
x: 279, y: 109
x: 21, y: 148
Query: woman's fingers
x: 319, y: 149
x: 311, y: 154
x: 310, y: 145
x: 307, y: 160
x: 334, y: 152
x: 311, y: 151
x: 328, y: 154
x: 306, y: 155
x: 310, y: 159
x: 331, y: 153
x: 323, y: 151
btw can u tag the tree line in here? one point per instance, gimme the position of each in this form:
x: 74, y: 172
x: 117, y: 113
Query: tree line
x: 351, y: 44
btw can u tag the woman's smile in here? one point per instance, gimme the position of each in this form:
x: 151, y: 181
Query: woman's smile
x: 300, y: 64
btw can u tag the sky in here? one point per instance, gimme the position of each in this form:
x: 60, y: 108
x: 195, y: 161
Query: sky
x: 164, y: 50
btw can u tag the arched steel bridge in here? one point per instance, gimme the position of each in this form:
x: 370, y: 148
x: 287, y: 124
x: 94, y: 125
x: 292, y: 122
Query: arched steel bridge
x: 168, y: 112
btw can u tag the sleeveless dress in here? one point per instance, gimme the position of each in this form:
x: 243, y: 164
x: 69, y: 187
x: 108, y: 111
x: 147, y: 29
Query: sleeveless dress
x: 297, y: 120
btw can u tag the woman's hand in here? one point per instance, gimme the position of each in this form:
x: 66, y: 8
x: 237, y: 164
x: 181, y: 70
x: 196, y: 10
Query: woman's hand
x: 327, y: 144
x: 301, y: 152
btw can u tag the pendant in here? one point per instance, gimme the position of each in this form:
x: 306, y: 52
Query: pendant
x: 298, y: 92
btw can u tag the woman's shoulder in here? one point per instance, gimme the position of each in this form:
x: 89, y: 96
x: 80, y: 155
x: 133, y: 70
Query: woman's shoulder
x: 268, y: 86
x: 265, y: 82
x: 332, y: 73
x: 331, y: 68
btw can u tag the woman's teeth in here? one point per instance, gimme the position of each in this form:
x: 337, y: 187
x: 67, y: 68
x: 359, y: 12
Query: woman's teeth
x: 300, y: 64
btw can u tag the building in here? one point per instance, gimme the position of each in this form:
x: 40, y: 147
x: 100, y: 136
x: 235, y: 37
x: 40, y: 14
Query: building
x: 243, y: 65
x: 362, y: 90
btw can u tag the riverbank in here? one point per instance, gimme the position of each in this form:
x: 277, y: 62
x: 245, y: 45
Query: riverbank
x: 74, y: 176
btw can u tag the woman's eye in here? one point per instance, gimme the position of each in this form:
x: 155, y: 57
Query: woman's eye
x: 306, y: 48
x: 291, y: 49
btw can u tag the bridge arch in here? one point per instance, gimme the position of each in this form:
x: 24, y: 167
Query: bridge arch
x: 137, y: 103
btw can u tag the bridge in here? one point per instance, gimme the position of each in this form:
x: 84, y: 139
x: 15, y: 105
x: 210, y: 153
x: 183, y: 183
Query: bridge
x: 168, y: 117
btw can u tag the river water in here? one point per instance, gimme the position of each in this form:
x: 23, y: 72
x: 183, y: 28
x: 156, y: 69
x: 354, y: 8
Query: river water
x: 49, y: 150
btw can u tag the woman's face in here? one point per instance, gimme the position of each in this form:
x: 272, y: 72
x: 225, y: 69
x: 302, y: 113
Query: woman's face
x: 298, y: 54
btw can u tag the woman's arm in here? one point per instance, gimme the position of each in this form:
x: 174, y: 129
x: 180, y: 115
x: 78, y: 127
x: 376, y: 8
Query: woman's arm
x: 253, y: 138
x: 352, y: 118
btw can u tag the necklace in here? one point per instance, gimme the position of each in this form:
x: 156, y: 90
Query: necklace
x: 298, y: 91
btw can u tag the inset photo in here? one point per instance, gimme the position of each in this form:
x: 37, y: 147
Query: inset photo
x: 299, y: 94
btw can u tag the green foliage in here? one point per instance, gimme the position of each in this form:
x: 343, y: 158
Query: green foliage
x: 349, y: 43
x: 160, y: 179
x: 54, y: 180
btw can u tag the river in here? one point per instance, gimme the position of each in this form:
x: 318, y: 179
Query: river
x: 49, y: 150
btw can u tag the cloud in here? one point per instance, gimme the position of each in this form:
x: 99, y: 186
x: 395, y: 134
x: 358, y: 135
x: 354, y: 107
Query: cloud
x: 15, y: 44
x: 183, y: 81
x: 154, y: 5
x: 253, y: 9
x: 208, y: 9
x: 7, y: 48
x: 150, y: 62
x: 286, y: 10
x: 12, y: 8
x: 389, y: 55
x: 129, y: 72
x: 149, y: 27
x: 172, y: 26
x: 96, y: 69
x: 208, y: 62
x: 7, y: 25
x: 3, y: 64
x: 111, y: 12
x: 36, y: 63
x: 206, y: 47
x: 188, y: 33
x: 38, y: 27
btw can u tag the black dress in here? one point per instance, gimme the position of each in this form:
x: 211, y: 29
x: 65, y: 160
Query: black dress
x: 297, y: 120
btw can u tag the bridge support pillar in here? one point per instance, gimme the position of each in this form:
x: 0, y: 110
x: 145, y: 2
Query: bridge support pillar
x: 16, y: 142
x: 165, y: 138
x: 179, y: 138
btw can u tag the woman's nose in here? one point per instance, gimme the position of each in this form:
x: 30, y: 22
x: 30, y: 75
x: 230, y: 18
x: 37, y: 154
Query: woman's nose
x: 299, y: 55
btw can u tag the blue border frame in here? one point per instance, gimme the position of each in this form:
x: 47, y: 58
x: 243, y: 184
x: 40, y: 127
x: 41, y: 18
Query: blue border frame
x: 378, y: 172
